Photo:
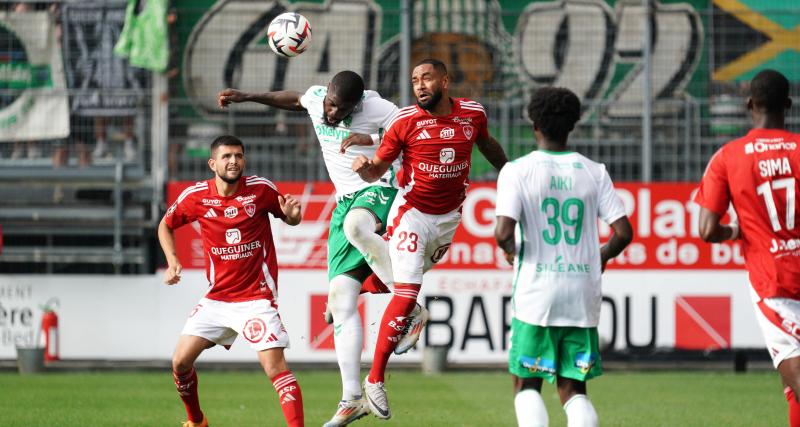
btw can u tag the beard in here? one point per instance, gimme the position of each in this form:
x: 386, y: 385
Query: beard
x: 434, y: 99
x: 223, y: 176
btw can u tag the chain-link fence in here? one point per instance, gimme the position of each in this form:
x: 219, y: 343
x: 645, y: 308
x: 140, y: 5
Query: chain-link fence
x: 100, y: 116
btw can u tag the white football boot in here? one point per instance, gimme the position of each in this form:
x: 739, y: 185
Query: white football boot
x: 414, y: 325
x: 348, y: 411
x: 377, y: 400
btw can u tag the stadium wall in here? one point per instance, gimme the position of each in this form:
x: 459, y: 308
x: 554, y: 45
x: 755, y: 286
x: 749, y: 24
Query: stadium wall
x: 668, y: 290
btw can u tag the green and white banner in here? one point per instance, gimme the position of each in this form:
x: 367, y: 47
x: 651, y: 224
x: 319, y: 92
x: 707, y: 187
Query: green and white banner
x: 33, y: 97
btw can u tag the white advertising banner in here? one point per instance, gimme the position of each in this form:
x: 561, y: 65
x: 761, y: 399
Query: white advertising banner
x: 139, y: 318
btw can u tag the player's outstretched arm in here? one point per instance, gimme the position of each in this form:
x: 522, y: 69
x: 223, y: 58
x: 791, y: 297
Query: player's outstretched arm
x: 493, y: 152
x: 291, y: 208
x: 370, y: 170
x: 623, y: 235
x: 712, y: 231
x: 504, y: 234
x: 285, y: 99
x: 167, y: 240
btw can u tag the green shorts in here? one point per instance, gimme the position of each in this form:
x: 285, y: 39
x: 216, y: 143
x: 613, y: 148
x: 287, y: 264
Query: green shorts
x: 550, y: 351
x: 342, y: 256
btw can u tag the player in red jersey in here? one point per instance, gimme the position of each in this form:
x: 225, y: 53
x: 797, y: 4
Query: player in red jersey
x: 242, y: 272
x: 758, y: 175
x: 435, y: 137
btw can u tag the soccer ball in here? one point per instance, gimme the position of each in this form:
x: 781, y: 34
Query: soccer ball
x: 289, y: 34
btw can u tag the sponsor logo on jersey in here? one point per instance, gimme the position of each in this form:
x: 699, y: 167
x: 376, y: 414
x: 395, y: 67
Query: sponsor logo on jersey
x: 764, y: 145
x: 426, y: 123
x: 447, y: 155
x: 423, y: 135
x: 254, y: 330
x: 231, y: 212
x: 250, y: 209
x: 447, y: 133
x: 585, y: 361
x: 462, y: 120
x: 211, y: 213
x: 246, y: 199
x: 212, y: 202
x: 468, y: 131
x: 233, y: 236
x: 233, y: 253
x: 560, y: 267
x: 538, y: 364
x: 782, y: 245
x: 172, y: 208
x: 427, y: 167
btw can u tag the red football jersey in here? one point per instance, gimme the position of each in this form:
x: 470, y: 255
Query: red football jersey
x: 436, y: 153
x: 237, y: 237
x: 759, y: 174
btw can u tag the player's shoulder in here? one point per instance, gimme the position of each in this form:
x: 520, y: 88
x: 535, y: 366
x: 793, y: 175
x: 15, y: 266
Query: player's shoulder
x: 199, y: 188
x: 469, y: 105
x: 314, y: 97
x: 317, y: 92
x: 372, y: 101
x: 404, y: 116
x: 259, y: 181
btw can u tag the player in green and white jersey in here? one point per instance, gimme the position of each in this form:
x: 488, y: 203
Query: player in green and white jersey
x: 555, y: 196
x: 348, y: 121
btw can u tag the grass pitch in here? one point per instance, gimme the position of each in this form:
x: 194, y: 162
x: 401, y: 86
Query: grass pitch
x: 454, y: 399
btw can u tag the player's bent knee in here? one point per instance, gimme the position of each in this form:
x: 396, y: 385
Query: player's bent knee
x: 181, y: 365
x: 358, y: 224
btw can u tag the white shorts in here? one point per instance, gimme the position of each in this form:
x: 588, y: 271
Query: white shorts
x: 417, y: 240
x: 779, y: 319
x: 221, y: 322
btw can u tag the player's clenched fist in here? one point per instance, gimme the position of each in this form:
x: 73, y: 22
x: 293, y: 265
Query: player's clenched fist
x: 228, y: 96
x: 291, y: 208
x: 361, y: 163
x: 173, y: 274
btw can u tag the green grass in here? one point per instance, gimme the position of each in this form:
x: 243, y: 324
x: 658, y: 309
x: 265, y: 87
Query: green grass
x: 454, y: 399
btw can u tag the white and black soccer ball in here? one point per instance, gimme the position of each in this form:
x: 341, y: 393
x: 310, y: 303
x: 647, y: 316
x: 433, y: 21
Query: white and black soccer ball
x: 289, y: 34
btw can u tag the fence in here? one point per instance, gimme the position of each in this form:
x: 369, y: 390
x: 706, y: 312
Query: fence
x: 701, y: 55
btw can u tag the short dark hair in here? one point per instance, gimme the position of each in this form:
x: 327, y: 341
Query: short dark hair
x: 770, y: 89
x: 226, y: 140
x: 348, y: 86
x: 554, y: 111
x: 437, y: 64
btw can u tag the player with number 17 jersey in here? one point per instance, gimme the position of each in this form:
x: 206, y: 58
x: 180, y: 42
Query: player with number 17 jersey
x: 237, y: 239
x: 759, y: 174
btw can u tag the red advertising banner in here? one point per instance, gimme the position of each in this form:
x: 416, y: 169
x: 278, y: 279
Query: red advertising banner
x: 664, y: 219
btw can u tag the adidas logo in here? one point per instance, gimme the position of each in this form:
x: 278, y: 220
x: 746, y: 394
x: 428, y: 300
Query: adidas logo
x: 272, y: 338
x: 287, y: 398
x: 210, y: 214
x: 423, y: 135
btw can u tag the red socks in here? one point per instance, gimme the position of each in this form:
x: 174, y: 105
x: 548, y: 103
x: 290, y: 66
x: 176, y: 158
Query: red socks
x: 290, y: 397
x: 373, y: 285
x: 391, y: 326
x: 794, y: 407
x: 187, y: 389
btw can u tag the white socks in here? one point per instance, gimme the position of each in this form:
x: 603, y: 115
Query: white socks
x: 530, y: 409
x: 348, y: 334
x: 580, y: 412
x: 359, y: 228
